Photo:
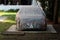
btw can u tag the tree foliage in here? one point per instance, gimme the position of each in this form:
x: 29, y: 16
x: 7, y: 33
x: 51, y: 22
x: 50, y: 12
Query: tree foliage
x: 48, y: 7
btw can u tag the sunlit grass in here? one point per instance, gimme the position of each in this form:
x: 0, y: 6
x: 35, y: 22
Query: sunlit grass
x: 9, y: 21
x: 7, y: 13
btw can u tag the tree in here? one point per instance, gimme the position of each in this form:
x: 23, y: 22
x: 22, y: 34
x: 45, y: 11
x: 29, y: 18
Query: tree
x: 56, y: 10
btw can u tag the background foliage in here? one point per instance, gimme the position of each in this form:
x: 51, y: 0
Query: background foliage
x: 48, y: 7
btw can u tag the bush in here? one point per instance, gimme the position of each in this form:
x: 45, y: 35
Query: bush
x: 12, y: 10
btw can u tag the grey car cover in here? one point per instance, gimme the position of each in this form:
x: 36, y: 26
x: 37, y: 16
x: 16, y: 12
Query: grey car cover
x: 31, y: 17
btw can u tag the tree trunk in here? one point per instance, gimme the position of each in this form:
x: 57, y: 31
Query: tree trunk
x: 56, y: 12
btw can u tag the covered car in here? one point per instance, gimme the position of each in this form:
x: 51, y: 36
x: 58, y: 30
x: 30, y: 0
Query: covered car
x: 31, y: 18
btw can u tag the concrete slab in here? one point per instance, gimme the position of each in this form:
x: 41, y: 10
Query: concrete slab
x: 50, y: 29
x: 12, y: 28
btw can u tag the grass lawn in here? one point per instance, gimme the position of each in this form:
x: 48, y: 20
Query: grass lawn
x: 8, y: 22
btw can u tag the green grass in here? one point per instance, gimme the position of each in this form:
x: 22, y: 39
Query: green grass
x: 8, y: 22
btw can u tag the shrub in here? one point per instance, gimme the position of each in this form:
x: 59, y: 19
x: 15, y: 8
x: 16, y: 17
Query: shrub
x: 12, y: 10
